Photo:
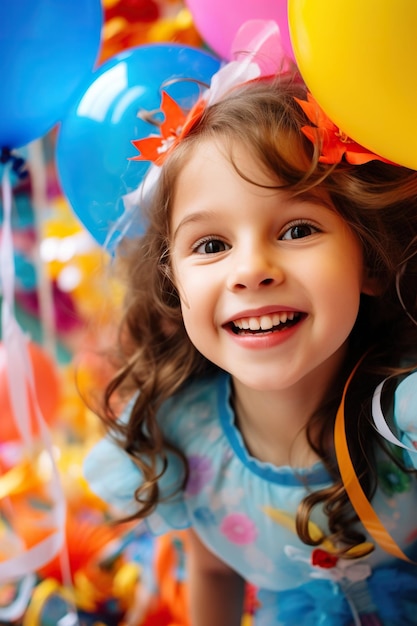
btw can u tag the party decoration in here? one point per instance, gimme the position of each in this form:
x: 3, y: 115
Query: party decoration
x: 47, y: 50
x: 132, y: 11
x: 218, y: 25
x: 358, y: 60
x: 333, y: 143
x: 173, y: 129
x: 94, y: 141
x: 47, y: 388
x: 124, y: 28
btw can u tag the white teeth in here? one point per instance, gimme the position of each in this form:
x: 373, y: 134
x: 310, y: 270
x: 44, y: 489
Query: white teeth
x: 265, y: 322
x: 254, y: 323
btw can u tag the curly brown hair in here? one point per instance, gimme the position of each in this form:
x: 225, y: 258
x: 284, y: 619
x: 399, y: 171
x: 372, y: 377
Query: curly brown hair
x: 155, y: 356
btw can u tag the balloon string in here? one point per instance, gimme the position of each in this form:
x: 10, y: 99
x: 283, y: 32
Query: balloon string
x: 7, y: 261
x: 39, y: 200
x: 10, y: 330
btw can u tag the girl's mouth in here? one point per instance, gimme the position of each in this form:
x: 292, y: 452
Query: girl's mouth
x: 266, y: 323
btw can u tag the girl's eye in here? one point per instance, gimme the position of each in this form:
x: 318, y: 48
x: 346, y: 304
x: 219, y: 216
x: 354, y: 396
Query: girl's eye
x: 299, y: 231
x: 211, y: 246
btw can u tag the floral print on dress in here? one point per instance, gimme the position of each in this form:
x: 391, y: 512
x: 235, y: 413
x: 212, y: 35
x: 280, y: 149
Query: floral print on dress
x: 325, y: 565
x: 322, y: 558
x: 205, y: 516
x: 391, y: 479
x: 201, y: 472
x: 239, y: 529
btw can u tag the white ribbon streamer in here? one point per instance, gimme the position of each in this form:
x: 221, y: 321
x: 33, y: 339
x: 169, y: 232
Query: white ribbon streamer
x: 22, y: 388
x: 380, y: 422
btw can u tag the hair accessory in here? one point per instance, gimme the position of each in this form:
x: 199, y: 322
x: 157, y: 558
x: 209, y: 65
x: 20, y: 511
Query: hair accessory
x: 175, y: 126
x: 257, y: 51
x: 334, y: 143
x: 261, y: 45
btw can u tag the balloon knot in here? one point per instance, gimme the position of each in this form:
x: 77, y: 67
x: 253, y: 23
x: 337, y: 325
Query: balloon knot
x: 18, y: 163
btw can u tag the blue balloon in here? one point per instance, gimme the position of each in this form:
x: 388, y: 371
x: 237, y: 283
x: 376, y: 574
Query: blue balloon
x: 94, y: 140
x: 47, y: 50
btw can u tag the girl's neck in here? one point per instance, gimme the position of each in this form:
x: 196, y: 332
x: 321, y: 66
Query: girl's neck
x: 273, y: 424
x: 274, y: 431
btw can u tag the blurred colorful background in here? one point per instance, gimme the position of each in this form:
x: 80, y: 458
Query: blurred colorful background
x: 75, y: 75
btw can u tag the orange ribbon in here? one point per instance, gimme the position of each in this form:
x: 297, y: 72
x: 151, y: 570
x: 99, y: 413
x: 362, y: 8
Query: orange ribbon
x: 359, y: 501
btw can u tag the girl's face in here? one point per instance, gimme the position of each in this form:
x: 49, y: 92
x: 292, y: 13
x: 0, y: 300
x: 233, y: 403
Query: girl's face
x: 269, y: 285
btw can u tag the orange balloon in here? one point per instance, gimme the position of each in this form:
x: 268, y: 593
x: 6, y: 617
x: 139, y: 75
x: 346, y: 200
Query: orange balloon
x: 47, y: 389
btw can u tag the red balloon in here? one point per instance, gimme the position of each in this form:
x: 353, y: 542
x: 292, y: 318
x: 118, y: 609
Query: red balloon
x: 47, y: 388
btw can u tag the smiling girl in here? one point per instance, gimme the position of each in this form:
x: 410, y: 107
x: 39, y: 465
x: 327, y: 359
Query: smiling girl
x: 272, y: 292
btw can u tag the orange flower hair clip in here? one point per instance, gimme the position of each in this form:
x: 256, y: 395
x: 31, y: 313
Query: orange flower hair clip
x: 175, y: 127
x: 261, y: 41
x: 335, y: 144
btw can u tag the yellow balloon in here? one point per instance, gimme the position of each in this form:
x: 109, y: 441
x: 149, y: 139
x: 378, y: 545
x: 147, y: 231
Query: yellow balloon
x: 359, y: 60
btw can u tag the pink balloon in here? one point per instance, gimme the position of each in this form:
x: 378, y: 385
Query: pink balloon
x: 218, y: 21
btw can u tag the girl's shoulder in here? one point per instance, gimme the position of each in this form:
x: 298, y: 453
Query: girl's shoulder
x: 196, y: 407
x: 184, y: 419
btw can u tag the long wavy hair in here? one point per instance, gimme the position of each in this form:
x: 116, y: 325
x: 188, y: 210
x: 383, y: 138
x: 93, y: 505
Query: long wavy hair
x: 154, y: 354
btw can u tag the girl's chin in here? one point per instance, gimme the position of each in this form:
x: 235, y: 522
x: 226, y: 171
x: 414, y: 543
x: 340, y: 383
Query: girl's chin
x: 259, y: 385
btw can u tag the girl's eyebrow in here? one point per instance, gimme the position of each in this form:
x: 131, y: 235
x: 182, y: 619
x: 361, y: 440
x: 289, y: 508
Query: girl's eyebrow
x: 195, y: 217
x: 314, y: 198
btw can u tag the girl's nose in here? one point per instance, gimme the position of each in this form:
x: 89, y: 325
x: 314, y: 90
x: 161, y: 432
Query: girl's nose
x: 254, y: 270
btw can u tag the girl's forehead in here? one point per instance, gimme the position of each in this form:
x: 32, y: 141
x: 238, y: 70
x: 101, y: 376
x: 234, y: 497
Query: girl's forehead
x: 228, y: 151
x: 246, y: 160
x: 283, y: 166
x: 221, y: 171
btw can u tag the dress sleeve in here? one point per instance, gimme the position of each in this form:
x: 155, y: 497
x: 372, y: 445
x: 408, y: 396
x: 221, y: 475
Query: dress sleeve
x: 113, y: 477
x: 405, y: 415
